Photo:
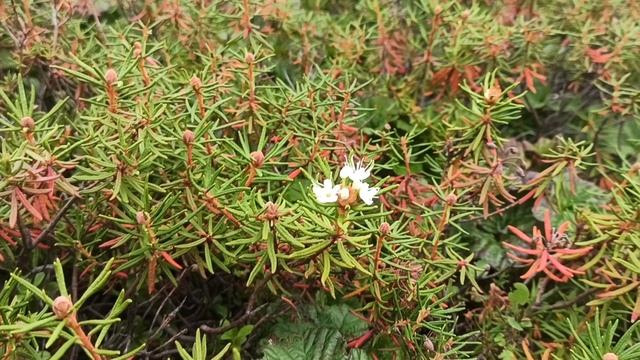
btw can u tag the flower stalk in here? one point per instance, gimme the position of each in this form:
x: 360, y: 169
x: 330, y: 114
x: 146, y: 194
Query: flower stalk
x: 63, y: 310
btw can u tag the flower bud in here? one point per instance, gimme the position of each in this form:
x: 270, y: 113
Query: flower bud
x: 609, y: 356
x: 428, y: 344
x: 141, y: 218
x: 384, y: 228
x: 188, y: 136
x: 451, y: 199
x: 271, y: 211
x: 62, y: 306
x: 196, y: 83
x: 438, y: 10
x: 492, y: 94
x: 257, y: 158
x: 111, y: 76
x: 137, y: 49
x: 27, y: 122
x: 344, y: 193
x: 249, y: 58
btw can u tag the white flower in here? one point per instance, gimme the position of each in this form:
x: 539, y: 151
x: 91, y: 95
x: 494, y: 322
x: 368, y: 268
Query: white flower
x: 367, y: 194
x: 356, y: 172
x: 343, y: 194
x: 327, y: 193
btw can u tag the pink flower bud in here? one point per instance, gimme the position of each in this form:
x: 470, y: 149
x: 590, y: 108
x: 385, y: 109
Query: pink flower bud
x: 196, y: 83
x: 271, y: 212
x: 137, y: 49
x: 111, y: 76
x: 428, y: 344
x: 188, y: 136
x: 141, y: 218
x: 609, y: 356
x: 257, y: 158
x: 384, y: 228
x: 62, y: 306
x: 27, y: 122
x: 492, y: 95
x: 249, y: 58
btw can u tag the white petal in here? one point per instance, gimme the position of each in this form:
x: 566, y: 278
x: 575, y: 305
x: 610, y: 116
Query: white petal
x: 367, y: 198
x: 318, y: 190
x: 346, y: 171
x: 326, y: 193
x: 360, y: 174
x: 328, y: 198
x: 367, y: 194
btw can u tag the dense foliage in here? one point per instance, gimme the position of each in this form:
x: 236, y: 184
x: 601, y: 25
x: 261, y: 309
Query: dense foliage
x: 320, y: 179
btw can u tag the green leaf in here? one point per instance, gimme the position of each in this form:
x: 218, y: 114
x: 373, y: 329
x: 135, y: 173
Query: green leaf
x: 519, y: 295
x: 514, y: 323
x: 62, y: 350
x: 55, y: 334
x: 222, y: 352
x: 323, y: 336
x: 507, y: 355
x: 62, y: 287
x: 33, y: 289
x: 242, y: 334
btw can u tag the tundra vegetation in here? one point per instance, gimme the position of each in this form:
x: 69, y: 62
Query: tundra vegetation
x: 320, y: 179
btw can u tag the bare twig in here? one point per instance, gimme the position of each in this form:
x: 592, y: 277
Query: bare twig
x: 248, y: 313
x: 167, y: 320
x: 74, y: 282
x: 496, y: 212
x: 54, y: 222
x: 239, y: 321
x: 542, y: 285
x: 165, y: 354
x: 567, y: 303
x: 151, y: 354
x: 24, y: 232
x: 255, y: 335
x: 168, y: 296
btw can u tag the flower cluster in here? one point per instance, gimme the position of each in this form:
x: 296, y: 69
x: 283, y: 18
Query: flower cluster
x: 353, y: 184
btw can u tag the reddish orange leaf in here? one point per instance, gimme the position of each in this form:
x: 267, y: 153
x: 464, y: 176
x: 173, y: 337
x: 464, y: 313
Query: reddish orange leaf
x: 519, y: 234
x: 170, y: 260
x: 37, y: 217
x: 599, y: 56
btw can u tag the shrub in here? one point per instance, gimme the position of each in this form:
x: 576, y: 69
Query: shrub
x: 319, y: 179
